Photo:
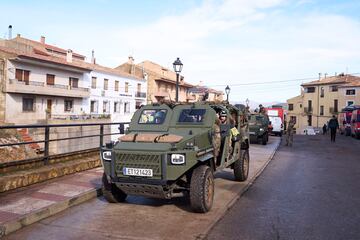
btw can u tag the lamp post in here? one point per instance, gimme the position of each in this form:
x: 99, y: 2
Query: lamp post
x: 177, y: 68
x: 247, y: 102
x: 227, y: 91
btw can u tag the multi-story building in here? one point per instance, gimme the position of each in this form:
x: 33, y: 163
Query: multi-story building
x: 115, y: 92
x: 161, y: 82
x: 321, y: 99
x: 198, y: 93
x: 37, y: 84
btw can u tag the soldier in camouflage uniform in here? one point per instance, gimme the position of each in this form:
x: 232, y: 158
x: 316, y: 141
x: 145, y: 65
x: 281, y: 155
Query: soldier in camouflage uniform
x: 290, y: 133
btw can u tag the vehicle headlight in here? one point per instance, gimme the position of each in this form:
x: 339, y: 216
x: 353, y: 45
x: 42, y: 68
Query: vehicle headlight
x: 261, y: 129
x: 106, y: 155
x: 177, y: 159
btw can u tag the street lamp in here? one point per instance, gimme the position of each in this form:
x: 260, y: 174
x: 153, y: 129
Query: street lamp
x: 227, y: 91
x: 177, y: 68
x: 247, y: 102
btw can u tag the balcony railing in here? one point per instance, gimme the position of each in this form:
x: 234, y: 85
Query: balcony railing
x: 41, y: 88
x: 308, y: 109
x: 140, y: 94
x: 333, y: 110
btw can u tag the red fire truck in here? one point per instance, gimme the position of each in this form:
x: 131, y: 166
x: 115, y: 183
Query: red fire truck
x: 355, y: 122
x: 344, y: 119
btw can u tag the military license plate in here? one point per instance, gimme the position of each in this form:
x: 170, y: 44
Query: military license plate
x: 140, y: 172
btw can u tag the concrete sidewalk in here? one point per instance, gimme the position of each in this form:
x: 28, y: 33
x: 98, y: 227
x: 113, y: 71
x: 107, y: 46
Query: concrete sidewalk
x: 31, y: 204
x: 65, y: 192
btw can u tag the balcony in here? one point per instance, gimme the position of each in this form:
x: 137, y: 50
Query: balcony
x: 39, y: 88
x: 333, y: 110
x: 308, y: 110
x: 140, y: 94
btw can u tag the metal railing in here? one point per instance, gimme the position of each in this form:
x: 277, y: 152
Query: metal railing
x: 42, y: 84
x: 46, y: 140
x: 79, y: 116
x: 140, y: 94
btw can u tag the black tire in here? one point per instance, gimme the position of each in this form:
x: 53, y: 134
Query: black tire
x: 241, y: 166
x: 264, y: 139
x: 202, y: 189
x: 111, y: 192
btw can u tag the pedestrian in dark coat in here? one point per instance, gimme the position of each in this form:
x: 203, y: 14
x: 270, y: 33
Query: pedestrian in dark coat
x: 333, y: 126
x: 324, y: 128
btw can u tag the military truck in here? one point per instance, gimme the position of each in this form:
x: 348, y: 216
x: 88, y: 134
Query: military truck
x: 259, y: 128
x: 172, y: 150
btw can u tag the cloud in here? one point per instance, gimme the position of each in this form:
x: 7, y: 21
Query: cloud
x: 237, y: 41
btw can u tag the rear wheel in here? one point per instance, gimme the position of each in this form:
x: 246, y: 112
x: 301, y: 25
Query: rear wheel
x: 241, y: 166
x: 111, y: 192
x: 202, y: 189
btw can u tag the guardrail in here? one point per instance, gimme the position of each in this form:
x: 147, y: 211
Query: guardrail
x: 46, y: 129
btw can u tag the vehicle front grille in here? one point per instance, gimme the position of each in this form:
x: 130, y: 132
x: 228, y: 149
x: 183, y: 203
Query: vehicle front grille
x: 132, y: 160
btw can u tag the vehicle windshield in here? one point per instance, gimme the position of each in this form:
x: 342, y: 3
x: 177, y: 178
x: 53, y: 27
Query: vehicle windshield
x: 192, y: 116
x: 256, y: 118
x: 152, y: 116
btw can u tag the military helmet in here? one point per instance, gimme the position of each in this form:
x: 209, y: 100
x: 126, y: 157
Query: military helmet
x: 223, y: 113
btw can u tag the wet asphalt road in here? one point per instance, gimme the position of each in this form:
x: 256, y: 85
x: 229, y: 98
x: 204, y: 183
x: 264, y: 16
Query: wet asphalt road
x: 309, y: 191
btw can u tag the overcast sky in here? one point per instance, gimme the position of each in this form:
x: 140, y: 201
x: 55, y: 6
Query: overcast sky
x: 231, y: 42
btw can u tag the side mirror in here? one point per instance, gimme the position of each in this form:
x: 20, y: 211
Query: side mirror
x: 122, y: 128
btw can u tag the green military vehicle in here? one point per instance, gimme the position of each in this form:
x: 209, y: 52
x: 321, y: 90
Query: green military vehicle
x: 172, y: 150
x: 259, y: 128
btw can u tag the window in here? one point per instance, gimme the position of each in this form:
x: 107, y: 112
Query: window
x: 335, y: 106
x: 126, y: 107
x: 310, y: 89
x: 321, y: 110
x: 106, y: 84
x: 309, y: 105
x: 126, y: 87
x: 93, y: 82
x: 68, y: 105
x: 333, y: 88
x: 93, y: 107
x: 350, y: 92
x: 152, y: 116
x: 50, y: 79
x: 139, y: 87
x: 349, y: 103
x: 105, y: 106
x: 322, y: 92
x: 309, y: 120
x: 22, y: 75
x: 293, y: 118
x: 28, y: 104
x: 116, y: 107
x: 300, y: 105
x: 291, y: 107
x: 138, y: 105
x: 117, y: 86
x: 73, y: 82
x: 192, y: 116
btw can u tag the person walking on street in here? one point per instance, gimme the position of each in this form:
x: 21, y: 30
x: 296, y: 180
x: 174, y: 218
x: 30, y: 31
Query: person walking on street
x: 324, y: 129
x: 290, y: 132
x: 333, y: 126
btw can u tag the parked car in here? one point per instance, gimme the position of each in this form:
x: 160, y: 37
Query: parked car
x: 277, y: 125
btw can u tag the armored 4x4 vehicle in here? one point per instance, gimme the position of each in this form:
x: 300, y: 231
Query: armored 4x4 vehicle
x: 258, y: 128
x: 171, y: 150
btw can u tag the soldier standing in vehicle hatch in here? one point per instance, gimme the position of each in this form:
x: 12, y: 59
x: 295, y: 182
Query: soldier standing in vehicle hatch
x: 290, y: 132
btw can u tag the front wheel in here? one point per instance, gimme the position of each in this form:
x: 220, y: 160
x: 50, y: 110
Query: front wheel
x: 241, y: 166
x: 111, y: 192
x: 202, y: 189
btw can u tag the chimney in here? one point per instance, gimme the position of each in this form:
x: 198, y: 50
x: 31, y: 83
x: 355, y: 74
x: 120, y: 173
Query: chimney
x: 18, y: 35
x: 131, y: 60
x: 69, y: 55
x: 42, y: 40
x: 325, y: 75
x: 93, y: 59
x: 319, y: 76
x: 10, y: 32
